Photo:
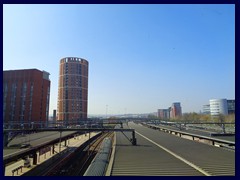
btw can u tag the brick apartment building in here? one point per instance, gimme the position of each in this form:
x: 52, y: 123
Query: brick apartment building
x: 26, y: 96
x: 176, y: 110
x: 72, y: 90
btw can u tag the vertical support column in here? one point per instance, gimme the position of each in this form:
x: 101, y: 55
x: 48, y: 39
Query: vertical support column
x: 35, y: 158
x: 89, y: 143
x: 65, y: 143
x: 60, y: 139
x: 223, y: 128
x: 134, y: 140
x: 53, y: 149
x: 5, y: 139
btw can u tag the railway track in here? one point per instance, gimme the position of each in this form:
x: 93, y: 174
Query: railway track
x: 76, y: 163
x: 81, y: 165
x: 71, y: 161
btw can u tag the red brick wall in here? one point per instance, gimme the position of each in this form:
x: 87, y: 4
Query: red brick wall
x: 73, y: 89
x: 39, y: 96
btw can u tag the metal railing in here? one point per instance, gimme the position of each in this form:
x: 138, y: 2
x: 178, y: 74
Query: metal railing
x: 194, y: 136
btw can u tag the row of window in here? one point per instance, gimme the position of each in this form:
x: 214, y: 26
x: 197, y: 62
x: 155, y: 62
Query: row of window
x: 73, y: 77
x: 23, y: 99
x: 75, y: 69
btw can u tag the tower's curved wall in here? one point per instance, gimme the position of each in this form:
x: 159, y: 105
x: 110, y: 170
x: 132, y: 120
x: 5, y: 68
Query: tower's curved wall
x: 72, y: 89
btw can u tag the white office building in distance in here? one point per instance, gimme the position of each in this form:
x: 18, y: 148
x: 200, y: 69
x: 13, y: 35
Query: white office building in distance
x: 206, y: 109
x: 218, y: 106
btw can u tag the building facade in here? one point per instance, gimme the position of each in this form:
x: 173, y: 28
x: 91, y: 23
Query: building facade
x: 163, y: 113
x: 176, y: 110
x: 54, y: 115
x: 72, y: 90
x: 26, y: 95
x: 231, y: 106
x: 218, y: 106
x: 206, y: 109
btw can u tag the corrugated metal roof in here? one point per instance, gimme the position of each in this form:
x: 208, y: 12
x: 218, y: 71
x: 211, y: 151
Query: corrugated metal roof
x: 148, y: 159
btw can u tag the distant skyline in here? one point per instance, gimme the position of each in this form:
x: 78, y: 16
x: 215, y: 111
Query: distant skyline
x: 141, y: 57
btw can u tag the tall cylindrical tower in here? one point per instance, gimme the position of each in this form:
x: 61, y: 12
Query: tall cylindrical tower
x: 72, y: 89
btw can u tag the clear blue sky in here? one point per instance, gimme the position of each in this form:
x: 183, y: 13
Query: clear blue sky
x: 141, y: 57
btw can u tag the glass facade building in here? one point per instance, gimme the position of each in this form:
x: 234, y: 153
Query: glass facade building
x: 231, y: 106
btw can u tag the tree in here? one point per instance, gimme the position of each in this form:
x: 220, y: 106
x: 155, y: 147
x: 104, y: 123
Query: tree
x: 152, y: 116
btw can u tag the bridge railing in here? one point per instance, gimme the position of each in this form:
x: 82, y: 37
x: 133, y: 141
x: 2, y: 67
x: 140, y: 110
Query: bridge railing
x: 194, y: 136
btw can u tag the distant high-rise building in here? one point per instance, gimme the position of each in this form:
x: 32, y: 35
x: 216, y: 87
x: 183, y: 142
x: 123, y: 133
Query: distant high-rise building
x: 218, y: 106
x: 54, y: 115
x: 176, y: 110
x: 26, y: 96
x: 231, y: 106
x: 72, y: 89
x: 163, y: 114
